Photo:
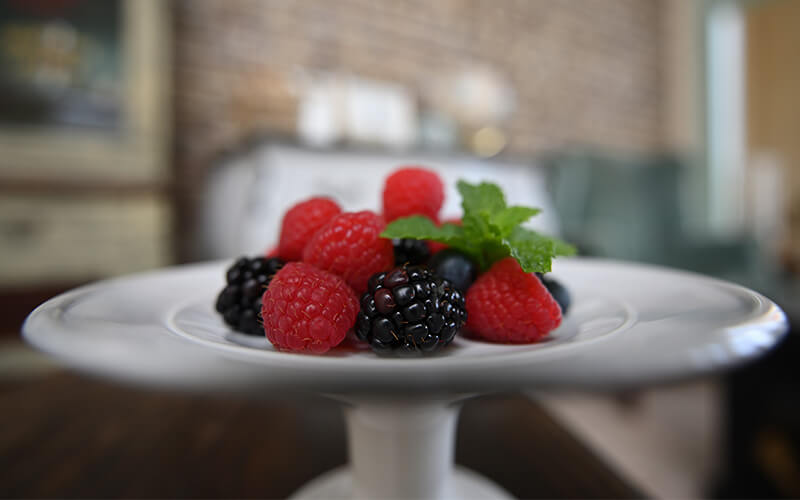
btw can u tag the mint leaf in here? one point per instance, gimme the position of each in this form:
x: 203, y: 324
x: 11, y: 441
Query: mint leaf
x: 484, y: 198
x: 490, y: 230
x: 534, y: 251
x: 419, y: 227
x: 416, y: 226
x: 480, y: 203
x: 504, y: 221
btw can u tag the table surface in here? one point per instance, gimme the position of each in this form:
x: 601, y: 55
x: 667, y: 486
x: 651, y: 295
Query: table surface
x: 68, y: 436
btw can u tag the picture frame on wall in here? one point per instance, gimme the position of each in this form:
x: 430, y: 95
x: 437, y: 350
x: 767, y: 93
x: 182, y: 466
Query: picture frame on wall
x: 84, y: 90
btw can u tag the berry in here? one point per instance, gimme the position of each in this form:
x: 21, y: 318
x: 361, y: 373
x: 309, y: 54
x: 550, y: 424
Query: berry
x: 436, y: 247
x: 412, y: 191
x: 410, y: 251
x: 301, y: 222
x: 455, y: 267
x: 506, y: 304
x: 239, y: 302
x: 306, y: 309
x: 350, y: 245
x: 558, y: 291
x: 408, y: 311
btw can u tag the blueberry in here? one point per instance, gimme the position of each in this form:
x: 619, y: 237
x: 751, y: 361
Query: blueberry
x: 559, y: 293
x: 455, y: 267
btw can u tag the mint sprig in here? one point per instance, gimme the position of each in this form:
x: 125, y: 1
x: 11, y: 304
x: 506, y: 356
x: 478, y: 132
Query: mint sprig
x: 490, y: 230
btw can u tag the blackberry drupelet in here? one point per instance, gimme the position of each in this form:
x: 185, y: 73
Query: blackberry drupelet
x: 409, y: 311
x: 410, y: 251
x: 239, y: 302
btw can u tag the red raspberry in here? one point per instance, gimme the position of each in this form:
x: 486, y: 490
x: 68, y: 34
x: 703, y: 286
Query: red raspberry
x: 506, y: 304
x: 301, y: 222
x: 350, y: 245
x: 307, y: 310
x: 412, y: 191
x: 271, y: 252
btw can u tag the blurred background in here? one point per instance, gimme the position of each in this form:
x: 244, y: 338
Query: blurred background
x: 136, y: 134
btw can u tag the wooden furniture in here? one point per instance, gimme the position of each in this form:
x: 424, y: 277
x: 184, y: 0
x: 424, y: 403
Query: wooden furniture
x: 68, y: 436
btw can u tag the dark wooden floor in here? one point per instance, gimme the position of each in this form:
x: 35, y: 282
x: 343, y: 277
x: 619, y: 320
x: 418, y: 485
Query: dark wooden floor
x: 67, y: 436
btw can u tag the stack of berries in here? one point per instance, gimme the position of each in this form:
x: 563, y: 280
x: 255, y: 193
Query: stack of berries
x: 402, y: 281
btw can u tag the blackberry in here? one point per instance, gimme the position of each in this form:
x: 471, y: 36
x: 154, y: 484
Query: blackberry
x: 410, y: 251
x: 455, y: 267
x: 558, y: 291
x: 239, y: 302
x: 409, y: 310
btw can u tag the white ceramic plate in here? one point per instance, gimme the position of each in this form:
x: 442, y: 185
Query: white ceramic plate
x: 629, y: 324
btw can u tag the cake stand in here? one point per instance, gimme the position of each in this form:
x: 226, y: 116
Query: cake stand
x: 630, y: 325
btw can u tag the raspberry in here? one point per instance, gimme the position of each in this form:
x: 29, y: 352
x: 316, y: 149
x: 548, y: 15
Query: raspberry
x: 436, y: 247
x: 240, y: 301
x: 506, y: 304
x: 350, y: 245
x: 409, y: 310
x: 301, y: 222
x: 412, y: 191
x: 306, y: 309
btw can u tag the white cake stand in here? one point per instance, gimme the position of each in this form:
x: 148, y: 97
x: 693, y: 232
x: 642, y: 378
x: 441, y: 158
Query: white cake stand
x: 630, y: 325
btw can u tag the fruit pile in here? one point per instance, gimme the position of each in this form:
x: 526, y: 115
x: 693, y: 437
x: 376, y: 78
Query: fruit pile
x: 403, y: 281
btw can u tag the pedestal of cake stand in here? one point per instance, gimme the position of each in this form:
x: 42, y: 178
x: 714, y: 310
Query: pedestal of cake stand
x: 401, y: 448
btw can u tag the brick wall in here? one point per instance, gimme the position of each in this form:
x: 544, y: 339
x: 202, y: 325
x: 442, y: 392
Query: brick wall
x: 585, y: 72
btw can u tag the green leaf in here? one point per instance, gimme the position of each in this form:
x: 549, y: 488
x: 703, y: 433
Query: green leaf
x: 504, y: 221
x: 480, y: 202
x: 476, y: 227
x: 481, y: 198
x: 416, y: 226
x: 419, y: 227
x: 534, y: 251
x: 490, y: 230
